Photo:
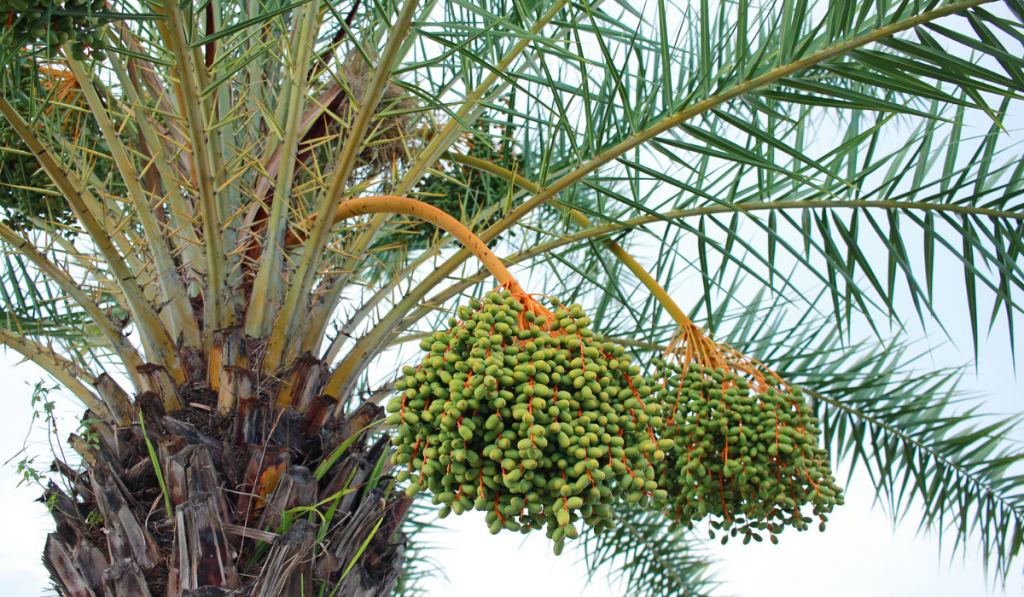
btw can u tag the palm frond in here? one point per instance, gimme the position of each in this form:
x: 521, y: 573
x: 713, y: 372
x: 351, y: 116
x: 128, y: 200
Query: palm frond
x: 796, y: 170
x: 648, y: 557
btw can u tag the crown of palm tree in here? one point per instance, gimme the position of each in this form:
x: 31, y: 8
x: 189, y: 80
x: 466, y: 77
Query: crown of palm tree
x: 778, y: 164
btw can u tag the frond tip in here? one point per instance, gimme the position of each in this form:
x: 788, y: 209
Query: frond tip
x: 957, y: 467
x: 648, y: 557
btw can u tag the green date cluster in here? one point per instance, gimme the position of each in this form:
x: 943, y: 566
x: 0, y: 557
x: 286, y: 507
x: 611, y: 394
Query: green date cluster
x: 749, y: 460
x: 49, y: 24
x: 539, y: 428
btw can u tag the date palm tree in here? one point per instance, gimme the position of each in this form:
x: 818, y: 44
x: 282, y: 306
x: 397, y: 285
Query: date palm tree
x: 233, y: 266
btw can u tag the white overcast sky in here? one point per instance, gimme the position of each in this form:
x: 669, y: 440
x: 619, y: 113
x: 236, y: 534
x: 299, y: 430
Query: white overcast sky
x: 862, y: 553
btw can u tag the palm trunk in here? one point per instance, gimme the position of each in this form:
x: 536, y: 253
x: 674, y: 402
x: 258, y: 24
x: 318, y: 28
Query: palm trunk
x: 232, y: 483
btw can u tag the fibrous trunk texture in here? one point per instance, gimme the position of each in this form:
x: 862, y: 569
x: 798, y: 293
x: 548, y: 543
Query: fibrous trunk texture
x: 249, y: 515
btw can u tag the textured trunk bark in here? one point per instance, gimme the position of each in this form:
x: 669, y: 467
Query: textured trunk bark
x: 238, y: 475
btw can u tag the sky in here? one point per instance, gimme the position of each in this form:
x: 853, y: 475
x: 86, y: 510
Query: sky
x: 863, y: 552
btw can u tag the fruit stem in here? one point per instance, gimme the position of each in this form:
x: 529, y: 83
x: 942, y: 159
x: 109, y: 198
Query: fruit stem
x: 393, y: 204
x: 584, y: 222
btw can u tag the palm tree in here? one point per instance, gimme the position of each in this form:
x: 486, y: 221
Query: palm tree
x: 246, y: 211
